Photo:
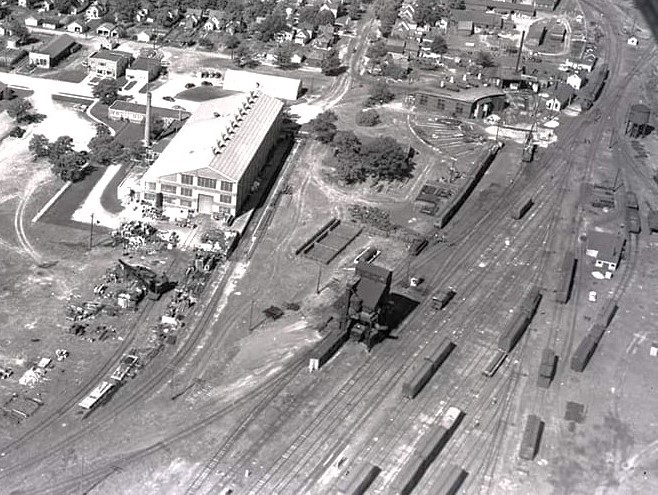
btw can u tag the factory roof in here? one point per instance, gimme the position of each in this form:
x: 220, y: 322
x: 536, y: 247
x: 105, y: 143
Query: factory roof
x: 56, y: 45
x: 285, y: 88
x: 200, y: 144
x: 470, y: 95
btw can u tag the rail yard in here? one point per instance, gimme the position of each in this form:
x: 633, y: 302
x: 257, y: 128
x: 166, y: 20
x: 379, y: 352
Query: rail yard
x: 260, y: 315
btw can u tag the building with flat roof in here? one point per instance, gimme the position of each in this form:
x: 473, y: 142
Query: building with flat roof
x: 51, y: 53
x: 136, y: 113
x: 144, y: 69
x: 605, y: 248
x: 109, y: 63
x: 211, y: 164
x: 465, y: 103
x: 285, y: 88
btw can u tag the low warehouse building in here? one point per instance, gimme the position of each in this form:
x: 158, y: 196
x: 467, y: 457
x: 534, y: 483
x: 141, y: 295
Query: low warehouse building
x: 211, y: 164
x: 144, y: 70
x: 53, y: 52
x: 469, y: 103
x: 285, y: 88
x: 136, y: 113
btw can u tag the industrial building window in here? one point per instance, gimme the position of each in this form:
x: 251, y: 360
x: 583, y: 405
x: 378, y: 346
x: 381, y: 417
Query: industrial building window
x: 459, y: 109
x: 225, y: 198
x: 209, y: 183
x: 440, y: 104
x: 186, y: 191
x: 150, y: 186
x: 168, y: 200
x: 186, y: 203
x: 149, y: 197
x: 186, y: 179
x: 422, y: 100
x: 165, y: 188
x: 226, y: 186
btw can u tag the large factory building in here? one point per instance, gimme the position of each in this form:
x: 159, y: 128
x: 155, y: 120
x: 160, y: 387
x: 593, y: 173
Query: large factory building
x: 211, y: 164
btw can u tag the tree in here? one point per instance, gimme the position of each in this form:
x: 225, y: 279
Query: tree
x: 384, y: 158
x: 325, y: 18
x: 18, y: 109
x: 347, y: 147
x: 232, y: 42
x: 271, y: 25
x: 61, y: 146
x: 330, y: 64
x: 19, y: 30
x: 367, y: 118
x: 354, y: 10
x: 39, y: 146
x: 379, y: 94
x: 103, y: 148
x: 107, y: 90
x: 63, y: 6
x: 308, y: 15
x: 439, y: 45
x: 68, y: 166
x: 427, y: 12
x: 125, y: 10
x: 377, y: 50
x: 323, y: 127
x: 393, y: 70
x: 485, y: 59
x: 284, y: 53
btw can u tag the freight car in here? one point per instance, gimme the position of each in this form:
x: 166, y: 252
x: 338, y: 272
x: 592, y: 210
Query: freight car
x: 521, y: 208
x: 513, y: 333
x: 591, y: 92
x: 633, y: 221
x: 530, y: 302
x: 546, y: 368
x: 583, y: 353
x: 442, y: 298
x: 531, y: 437
x: 566, y: 278
x: 359, y: 480
x: 326, y: 349
x: 420, y: 378
x: 409, y: 476
x: 631, y: 201
x: 607, y: 313
x: 418, y: 245
x: 494, y: 363
x: 439, y: 352
x: 451, y: 481
x: 100, y: 394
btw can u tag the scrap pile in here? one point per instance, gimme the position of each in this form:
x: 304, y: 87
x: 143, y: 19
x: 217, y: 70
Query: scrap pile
x: 218, y: 241
x: 98, y: 333
x: 84, y: 311
x: 135, y: 234
x: 372, y: 216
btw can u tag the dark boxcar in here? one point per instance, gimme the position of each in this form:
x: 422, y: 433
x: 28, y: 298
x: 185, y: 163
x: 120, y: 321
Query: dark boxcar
x: 521, y: 208
x: 513, y: 333
x: 420, y: 378
x: 634, y: 222
x: 583, y: 353
x: 327, y: 348
x: 607, y: 313
x: 566, y: 278
x: 438, y: 353
x: 496, y: 360
x: 442, y: 298
x: 631, y: 201
x: 451, y: 481
x: 531, y: 301
x: 596, y: 332
x: 359, y: 480
x: 547, y: 367
x: 417, y: 246
x: 409, y: 476
x: 433, y: 443
x: 531, y: 437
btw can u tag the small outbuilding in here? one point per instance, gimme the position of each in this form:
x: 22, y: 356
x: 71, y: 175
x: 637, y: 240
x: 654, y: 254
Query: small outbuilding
x: 605, y: 248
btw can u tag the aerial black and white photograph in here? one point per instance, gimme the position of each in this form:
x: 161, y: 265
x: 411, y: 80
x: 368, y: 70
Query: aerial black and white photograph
x: 328, y: 247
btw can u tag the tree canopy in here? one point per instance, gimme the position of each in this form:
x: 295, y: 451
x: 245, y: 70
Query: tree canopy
x: 65, y: 162
x: 427, y: 12
x: 103, y: 148
x: 323, y: 126
x: 439, y: 45
x: 330, y: 64
x: 485, y: 59
x: 380, y: 93
x: 107, y: 90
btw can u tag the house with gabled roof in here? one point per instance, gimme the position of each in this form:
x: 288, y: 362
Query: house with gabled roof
x: 303, y: 36
x: 95, y: 11
x: 560, y: 98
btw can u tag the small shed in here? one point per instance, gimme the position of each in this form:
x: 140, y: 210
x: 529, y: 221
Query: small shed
x: 465, y: 27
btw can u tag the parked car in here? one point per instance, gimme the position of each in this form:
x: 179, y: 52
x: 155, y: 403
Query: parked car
x: 168, y: 98
x: 206, y: 83
x: 189, y: 85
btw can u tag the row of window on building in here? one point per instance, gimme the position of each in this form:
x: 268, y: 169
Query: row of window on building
x: 186, y: 203
x: 440, y: 104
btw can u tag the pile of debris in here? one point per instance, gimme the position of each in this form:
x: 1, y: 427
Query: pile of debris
x: 218, y: 241
x: 372, y: 216
x: 100, y: 332
x: 134, y: 234
x: 86, y: 310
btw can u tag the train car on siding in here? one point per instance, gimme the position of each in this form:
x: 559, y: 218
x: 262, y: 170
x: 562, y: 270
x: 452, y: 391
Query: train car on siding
x: 567, y: 273
x: 451, y: 481
x: 531, y: 437
x: 359, y: 480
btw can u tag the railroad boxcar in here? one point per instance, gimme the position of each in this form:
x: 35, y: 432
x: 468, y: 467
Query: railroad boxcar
x: 326, y: 349
x: 531, y: 437
x: 633, y: 221
x: 99, y: 394
x: 438, y: 436
x: 596, y: 332
x: 451, y: 481
x: 631, y: 201
x: 521, y: 208
x: 592, y: 90
x: 607, y: 313
x: 583, y: 353
x: 547, y: 368
x: 418, y: 245
x: 566, y: 278
x: 420, y: 378
x: 407, y: 479
x: 494, y: 363
x: 513, y: 332
x: 530, y: 302
x: 439, y: 352
x: 442, y: 298
x: 359, y: 480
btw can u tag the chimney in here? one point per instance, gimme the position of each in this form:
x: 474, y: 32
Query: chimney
x: 147, y: 122
x: 518, y: 56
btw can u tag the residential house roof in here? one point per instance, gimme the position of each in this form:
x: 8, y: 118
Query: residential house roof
x: 193, y: 147
x: 563, y: 93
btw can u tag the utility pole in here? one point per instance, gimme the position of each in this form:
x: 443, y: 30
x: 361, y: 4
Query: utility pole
x: 251, y: 314
x: 317, y: 287
x: 91, y: 232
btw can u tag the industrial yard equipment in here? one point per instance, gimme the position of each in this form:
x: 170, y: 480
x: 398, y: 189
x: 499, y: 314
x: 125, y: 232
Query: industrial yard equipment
x: 155, y: 284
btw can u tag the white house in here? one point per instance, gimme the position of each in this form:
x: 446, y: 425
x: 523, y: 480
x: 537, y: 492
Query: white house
x: 575, y: 81
x: 94, y: 11
x: 303, y: 36
x: 632, y: 41
x: 32, y: 21
x: 76, y: 27
x: 560, y: 98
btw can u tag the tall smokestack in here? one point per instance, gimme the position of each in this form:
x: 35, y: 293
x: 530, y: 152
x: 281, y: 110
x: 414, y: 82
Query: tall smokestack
x: 147, y: 121
x: 518, y: 57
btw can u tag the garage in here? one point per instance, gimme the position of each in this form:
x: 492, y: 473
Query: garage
x: 205, y: 203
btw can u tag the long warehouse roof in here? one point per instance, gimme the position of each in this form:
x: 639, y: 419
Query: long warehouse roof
x: 223, y: 134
